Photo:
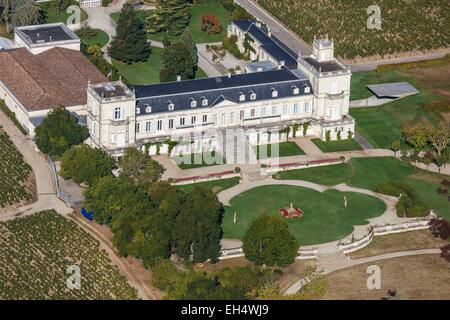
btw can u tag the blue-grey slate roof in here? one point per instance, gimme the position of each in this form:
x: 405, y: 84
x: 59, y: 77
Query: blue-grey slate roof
x: 272, y: 45
x: 216, y: 90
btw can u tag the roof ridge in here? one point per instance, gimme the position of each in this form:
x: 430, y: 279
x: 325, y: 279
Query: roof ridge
x: 29, y: 74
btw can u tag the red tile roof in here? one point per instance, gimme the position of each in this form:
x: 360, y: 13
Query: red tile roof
x: 56, y: 77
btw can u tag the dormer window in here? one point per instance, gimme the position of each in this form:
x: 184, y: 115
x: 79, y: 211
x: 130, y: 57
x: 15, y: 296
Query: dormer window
x: 274, y: 93
x: 171, y: 106
x: 138, y: 110
x: 204, y: 102
x: 148, y: 109
x: 295, y: 90
x: 193, y: 103
x: 252, y: 95
x: 307, y: 89
x: 241, y: 96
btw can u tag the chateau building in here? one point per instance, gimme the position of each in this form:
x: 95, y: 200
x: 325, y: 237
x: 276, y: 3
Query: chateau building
x: 313, y: 89
x: 279, y: 90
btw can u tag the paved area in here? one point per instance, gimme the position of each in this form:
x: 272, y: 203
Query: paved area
x: 308, y: 146
x: 46, y: 193
x: 363, y: 141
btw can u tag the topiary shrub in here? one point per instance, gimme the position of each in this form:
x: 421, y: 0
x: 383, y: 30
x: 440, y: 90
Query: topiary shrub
x: 237, y: 169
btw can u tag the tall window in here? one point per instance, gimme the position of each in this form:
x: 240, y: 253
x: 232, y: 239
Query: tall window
x: 160, y: 124
x: 241, y: 115
x: 263, y: 112
x: 193, y: 119
x: 252, y: 113
x: 148, y: 126
x: 222, y: 121
x: 285, y: 109
x: 118, y: 113
x: 205, y: 118
x: 296, y: 108
x: 182, y: 121
x: 232, y: 118
x: 274, y: 110
x: 307, y: 109
x: 137, y: 127
x: 170, y: 123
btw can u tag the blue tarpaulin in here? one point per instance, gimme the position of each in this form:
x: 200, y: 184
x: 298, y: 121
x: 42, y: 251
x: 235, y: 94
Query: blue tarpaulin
x: 87, y: 215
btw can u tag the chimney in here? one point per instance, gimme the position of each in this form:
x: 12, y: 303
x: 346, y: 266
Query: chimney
x: 269, y: 32
x: 259, y: 69
x: 258, y: 24
x: 50, y: 38
x: 179, y: 77
x: 282, y: 62
x: 229, y: 74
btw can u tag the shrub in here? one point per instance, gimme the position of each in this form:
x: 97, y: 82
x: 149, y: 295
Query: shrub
x: 237, y: 169
x: 445, y: 253
x: 210, y: 24
x: 339, y: 136
x: 445, y: 183
x: 442, y: 190
x: 328, y: 135
x: 350, y: 134
x: 164, y: 274
x: 409, y: 203
x: 230, y: 45
x: 440, y: 228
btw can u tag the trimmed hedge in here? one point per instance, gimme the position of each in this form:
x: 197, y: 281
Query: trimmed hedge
x: 409, y: 204
x: 12, y: 116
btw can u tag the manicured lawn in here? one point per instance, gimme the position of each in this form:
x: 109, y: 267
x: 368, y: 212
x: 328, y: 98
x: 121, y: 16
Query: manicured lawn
x: 213, y: 7
x: 360, y: 80
x: 367, y: 173
x: 52, y: 17
x: 337, y: 146
x: 381, y: 125
x: 215, y: 186
x: 328, y: 175
x: 146, y: 72
x: 101, y: 38
x: 325, y: 218
x: 197, y: 160
x: 285, y: 149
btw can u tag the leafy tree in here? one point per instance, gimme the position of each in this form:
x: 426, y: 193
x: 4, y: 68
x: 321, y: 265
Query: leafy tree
x: 26, y: 12
x: 58, y: 132
x: 269, y: 241
x: 439, y: 138
x: 210, y: 24
x: 140, y: 167
x: 171, y: 16
x: 189, y: 43
x: 197, y: 231
x: 85, y: 164
x: 109, y: 197
x: 130, y: 43
x: 395, y: 146
x: 177, y: 62
x: 416, y: 136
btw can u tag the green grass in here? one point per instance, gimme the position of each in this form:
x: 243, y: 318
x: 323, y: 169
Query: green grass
x: 285, y: 149
x: 213, y: 7
x: 146, y: 72
x: 328, y: 175
x: 381, y: 125
x: 101, y: 38
x: 367, y: 173
x: 215, y: 186
x: 325, y: 217
x: 52, y: 17
x: 360, y: 80
x: 183, y: 164
x: 337, y: 146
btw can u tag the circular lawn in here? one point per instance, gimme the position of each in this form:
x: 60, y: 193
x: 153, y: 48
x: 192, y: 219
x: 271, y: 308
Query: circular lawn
x: 325, y: 216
